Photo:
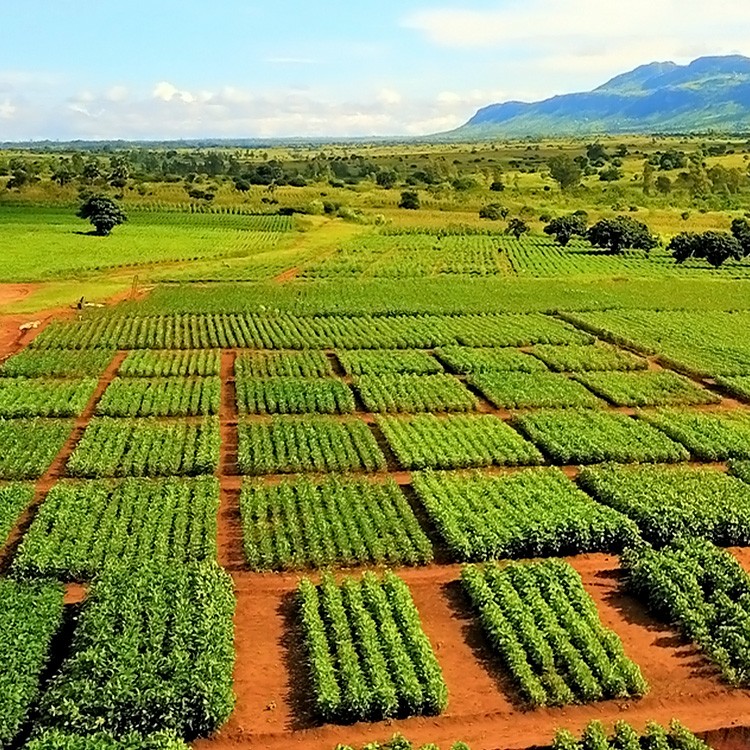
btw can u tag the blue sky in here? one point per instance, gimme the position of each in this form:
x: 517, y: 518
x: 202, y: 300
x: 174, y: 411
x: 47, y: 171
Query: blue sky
x: 184, y: 68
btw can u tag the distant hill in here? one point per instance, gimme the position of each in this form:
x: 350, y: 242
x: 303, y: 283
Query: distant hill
x: 711, y: 93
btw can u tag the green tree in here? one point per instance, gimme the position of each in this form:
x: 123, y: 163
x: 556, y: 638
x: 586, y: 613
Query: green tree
x: 621, y: 233
x: 741, y: 232
x: 565, y: 172
x: 564, y: 228
x: 386, y: 178
x: 663, y: 184
x: 410, y: 200
x: 103, y: 213
x: 493, y: 212
x: 517, y: 227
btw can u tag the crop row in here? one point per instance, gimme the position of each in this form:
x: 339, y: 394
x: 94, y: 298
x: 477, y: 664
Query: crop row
x: 146, y: 448
x: 28, y: 446
x: 467, y: 360
x: 251, y: 331
x: 289, y: 444
x: 53, y: 363
x: 521, y: 390
x: 302, y: 523
x: 168, y: 397
x: 163, y: 364
x: 414, y: 393
x: 14, y: 499
x: 20, y: 397
x: 532, y: 513
x: 81, y: 528
x: 625, y: 737
x: 286, y: 395
x: 304, y: 364
x: 369, y: 657
x: 454, y: 442
x: 385, y: 361
x: 546, y: 629
x: 576, y: 358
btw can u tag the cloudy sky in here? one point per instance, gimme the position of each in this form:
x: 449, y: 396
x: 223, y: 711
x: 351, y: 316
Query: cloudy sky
x: 241, y: 68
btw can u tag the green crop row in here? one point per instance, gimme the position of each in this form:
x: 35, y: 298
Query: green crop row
x: 20, y: 397
x: 168, y: 397
x: 56, y: 739
x: 369, y: 657
x: 521, y: 390
x: 293, y: 396
x: 83, y: 527
x: 56, y: 363
x: 28, y: 446
x: 152, y: 652
x: 32, y: 615
x: 290, y: 444
x: 736, y: 385
x: 304, y: 364
x: 571, y: 436
x: 406, y: 392
x: 647, y: 388
x: 466, y: 360
x: 546, y: 629
x: 576, y: 358
x: 250, y: 331
x: 157, y: 364
x: 625, y: 737
x: 301, y: 523
x: 384, y: 361
x: 668, y: 502
x: 14, y: 499
x: 146, y: 448
x: 705, y: 592
x: 456, y: 442
x: 531, y: 513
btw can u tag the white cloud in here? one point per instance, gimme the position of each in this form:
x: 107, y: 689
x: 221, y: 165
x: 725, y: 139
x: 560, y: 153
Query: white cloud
x: 389, y: 97
x: 167, y: 92
x: 7, y: 109
x: 117, y: 94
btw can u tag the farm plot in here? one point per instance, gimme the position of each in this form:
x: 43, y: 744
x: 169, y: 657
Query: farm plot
x: 14, y: 499
x: 20, y: 397
x: 405, y: 392
x: 156, y: 397
x: 456, y: 442
x: 168, y: 364
x: 306, y: 364
x: 710, y: 436
x: 165, y: 633
x: 28, y: 446
x: 292, y: 444
x: 588, y: 436
x: 302, y: 523
x: 369, y: 657
x: 546, y: 630
x: 521, y: 390
x: 146, y: 448
x: 293, y: 396
x: 514, y: 330
x: 600, y: 357
x: 384, y: 361
x: 56, y: 364
x: 55, y: 739
x: 668, y: 502
x: 466, y: 360
x: 82, y: 527
x: 32, y: 614
x: 534, y: 513
x: 647, y: 388
x: 702, y: 590
x: 625, y: 737
x: 737, y: 386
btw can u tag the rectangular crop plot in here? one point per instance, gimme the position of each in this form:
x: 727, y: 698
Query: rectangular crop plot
x: 532, y: 513
x: 426, y: 441
x: 465, y: 360
x: 28, y: 446
x: 56, y: 364
x: 83, y: 526
x: 306, y: 364
x: 737, y: 386
x: 368, y: 656
x: 14, y: 499
x: 710, y: 436
x: 588, y: 436
x: 301, y: 523
x: 32, y: 613
x: 146, y: 448
x: 520, y: 390
x: 705, y: 592
x: 647, y: 388
x: 164, y: 364
x: 546, y: 630
x: 671, y: 501
x: 293, y: 396
x: 166, y: 633
x: 405, y: 392
x: 573, y: 358
x: 383, y: 361
x: 157, y: 397
x: 20, y: 397
x: 514, y: 330
x: 294, y: 444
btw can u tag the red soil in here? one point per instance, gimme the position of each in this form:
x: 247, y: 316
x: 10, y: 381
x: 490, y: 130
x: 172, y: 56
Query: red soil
x: 289, y: 275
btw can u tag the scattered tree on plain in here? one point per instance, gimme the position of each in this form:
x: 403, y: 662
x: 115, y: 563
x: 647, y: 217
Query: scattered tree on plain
x: 564, y: 228
x: 103, y: 213
x: 517, y: 227
x: 410, y: 200
x: 621, y: 233
x: 714, y: 247
x: 566, y: 172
